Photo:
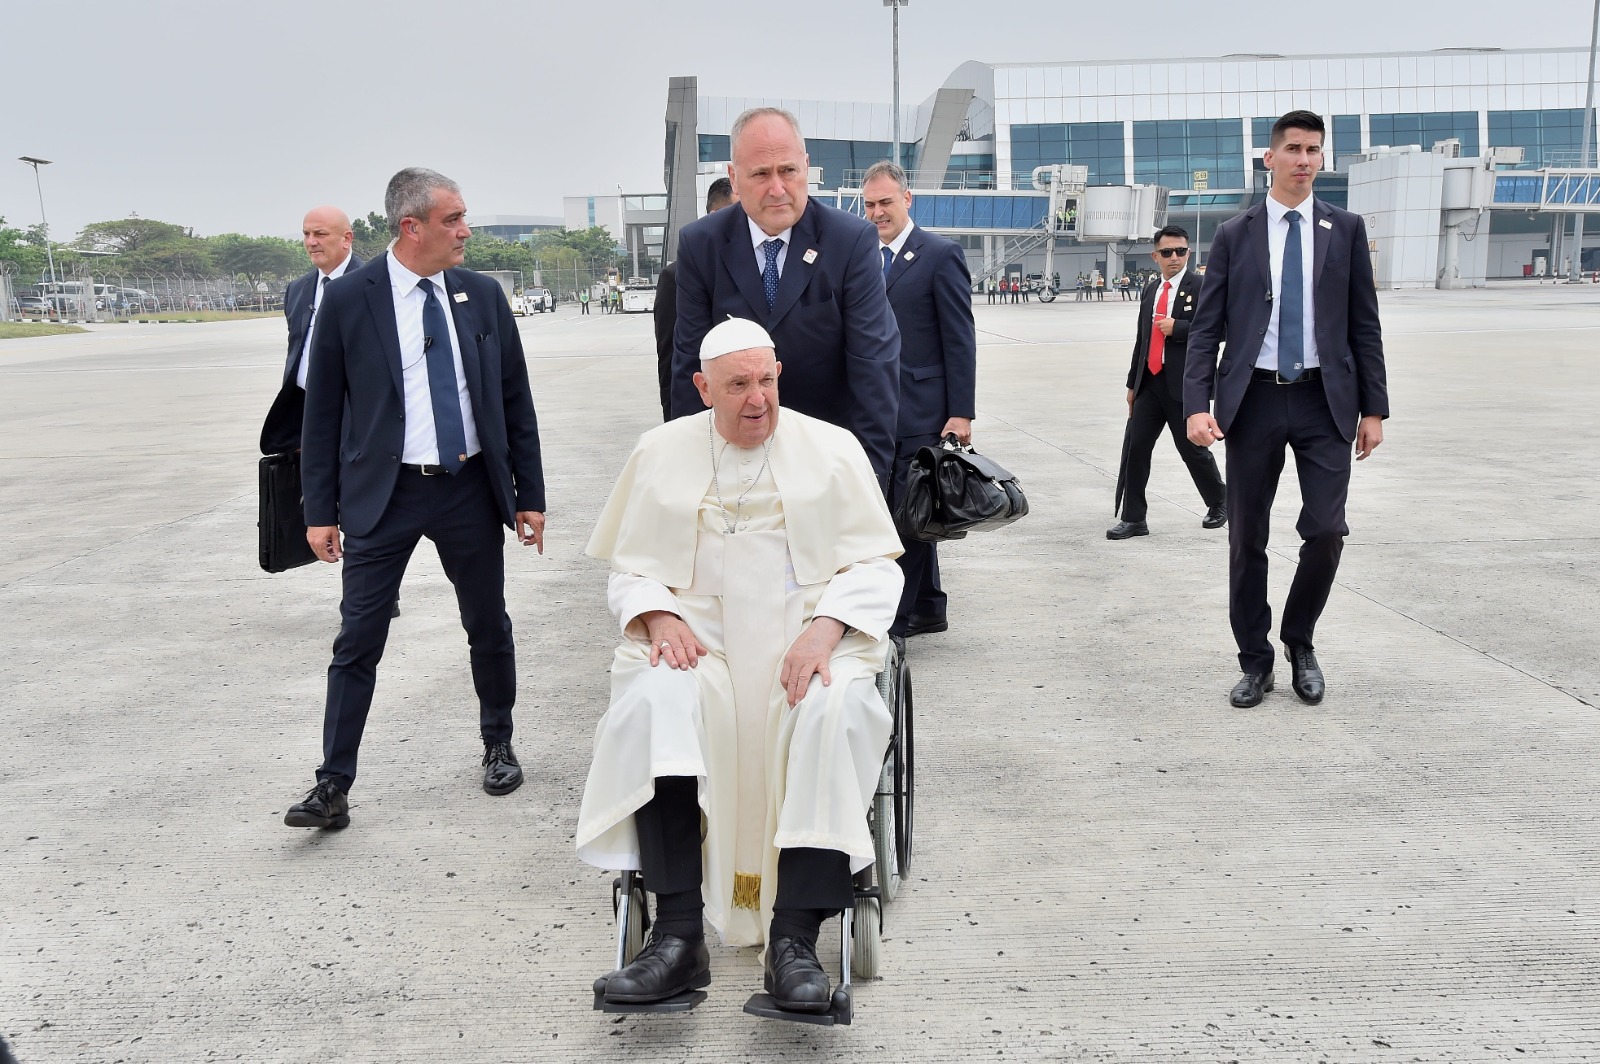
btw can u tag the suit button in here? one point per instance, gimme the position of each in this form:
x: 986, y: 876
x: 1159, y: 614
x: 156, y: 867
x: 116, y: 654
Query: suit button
x: 394, y: 458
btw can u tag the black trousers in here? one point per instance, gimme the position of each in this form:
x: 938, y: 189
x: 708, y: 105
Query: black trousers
x: 922, y: 595
x: 668, y: 826
x: 458, y: 513
x: 1154, y: 408
x: 1272, y: 417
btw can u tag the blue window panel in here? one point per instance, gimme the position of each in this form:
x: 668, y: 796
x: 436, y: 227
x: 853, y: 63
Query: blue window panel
x: 982, y: 212
x: 1546, y: 136
x: 963, y: 212
x: 1512, y: 188
x: 714, y: 148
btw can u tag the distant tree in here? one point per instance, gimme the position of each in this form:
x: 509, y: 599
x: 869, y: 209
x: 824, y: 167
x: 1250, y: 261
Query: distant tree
x: 24, y: 249
x: 256, y: 258
x: 128, y: 234
x: 371, y: 235
x: 144, y: 245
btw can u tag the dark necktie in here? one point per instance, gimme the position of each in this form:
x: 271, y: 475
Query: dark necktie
x: 888, y: 260
x: 442, y: 386
x: 769, y: 275
x: 1158, y: 339
x: 1291, y: 310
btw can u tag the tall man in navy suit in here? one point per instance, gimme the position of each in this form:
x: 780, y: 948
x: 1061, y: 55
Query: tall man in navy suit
x: 809, y: 274
x: 419, y: 422
x: 326, y: 234
x: 1155, y: 388
x: 930, y: 292
x: 1289, y: 287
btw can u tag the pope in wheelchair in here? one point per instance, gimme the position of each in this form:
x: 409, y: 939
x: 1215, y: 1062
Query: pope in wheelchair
x: 753, y: 577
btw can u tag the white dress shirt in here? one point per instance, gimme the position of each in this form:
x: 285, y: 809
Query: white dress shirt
x: 316, y: 305
x: 759, y: 237
x: 1277, y: 236
x: 422, y: 439
x: 898, y: 243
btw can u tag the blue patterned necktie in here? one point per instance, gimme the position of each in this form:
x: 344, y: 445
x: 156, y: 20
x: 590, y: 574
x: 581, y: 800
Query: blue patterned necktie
x: 888, y: 260
x: 1291, y: 309
x: 769, y: 275
x: 442, y: 385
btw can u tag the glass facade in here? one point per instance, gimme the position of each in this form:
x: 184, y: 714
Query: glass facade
x: 1097, y: 145
x: 1167, y: 153
x: 970, y: 171
x: 1550, y: 138
x: 1261, y: 131
x: 834, y: 156
x: 1346, y: 136
x: 1425, y: 128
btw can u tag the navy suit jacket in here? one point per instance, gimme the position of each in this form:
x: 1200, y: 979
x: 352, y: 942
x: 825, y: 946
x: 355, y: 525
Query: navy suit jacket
x: 1236, y: 307
x: 1181, y: 308
x: 281, y: 430
x: 355, y: 406
x: 930, y: 292
x: 831, y: 324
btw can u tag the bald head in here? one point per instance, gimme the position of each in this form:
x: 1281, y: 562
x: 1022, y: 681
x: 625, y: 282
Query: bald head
x: 327, y: 237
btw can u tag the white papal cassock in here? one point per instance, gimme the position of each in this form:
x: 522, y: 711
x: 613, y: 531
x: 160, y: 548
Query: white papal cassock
x: 813, y: 536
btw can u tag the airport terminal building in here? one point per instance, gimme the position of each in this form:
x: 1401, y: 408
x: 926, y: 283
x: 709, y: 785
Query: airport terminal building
x: 1195, y: 127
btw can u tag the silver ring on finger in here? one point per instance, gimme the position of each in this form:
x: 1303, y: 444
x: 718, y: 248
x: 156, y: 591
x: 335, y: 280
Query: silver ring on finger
x: 665, y: 645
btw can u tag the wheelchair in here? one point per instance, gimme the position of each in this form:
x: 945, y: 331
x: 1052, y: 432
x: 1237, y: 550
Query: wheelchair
x: 889, y: 818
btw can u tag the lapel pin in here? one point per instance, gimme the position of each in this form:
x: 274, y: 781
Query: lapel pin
x: 1325, y: 224
x: 461, y: 297
x: 910, y: 255
x: 810, y: 256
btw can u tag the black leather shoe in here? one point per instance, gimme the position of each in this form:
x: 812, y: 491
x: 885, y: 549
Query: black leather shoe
x: 1250, y: 689
x: 925, y: 625
x: 1215, y: 517
x: 326, y: 806
x: 795, y: 978
x: 1127, y: 530
x: 1307, y: 674
x: 502, y: 773
x: 666, y: 967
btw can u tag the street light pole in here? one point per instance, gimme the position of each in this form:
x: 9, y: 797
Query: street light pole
x: 48, y: 254
x: 897, y: 5
x: 1575, y: 274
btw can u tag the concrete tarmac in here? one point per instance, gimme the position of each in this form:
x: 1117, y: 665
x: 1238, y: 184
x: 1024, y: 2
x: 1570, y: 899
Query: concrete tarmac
x: 1111, y: 863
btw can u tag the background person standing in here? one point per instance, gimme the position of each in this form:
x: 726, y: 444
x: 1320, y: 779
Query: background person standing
x: 1155, y: 388
x: 931, y: 292
x: 1289, y: 287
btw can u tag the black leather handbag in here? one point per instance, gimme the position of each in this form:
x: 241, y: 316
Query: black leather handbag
x: 952, y: 490
x: 282, y: 520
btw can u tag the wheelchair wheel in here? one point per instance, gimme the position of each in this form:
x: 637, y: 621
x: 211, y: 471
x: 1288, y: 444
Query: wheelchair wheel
x: 632, y: 936
x: 904, y: 765
x: 866, y: 939
x: 886, y: 851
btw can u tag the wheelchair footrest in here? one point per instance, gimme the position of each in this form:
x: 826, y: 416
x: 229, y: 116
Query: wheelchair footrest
x: 679, y: 1004
x: 841, y: 1011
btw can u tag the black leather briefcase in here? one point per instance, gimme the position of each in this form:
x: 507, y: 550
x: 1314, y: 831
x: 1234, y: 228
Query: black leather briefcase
x: 282, y: 521
x: 952, y: 490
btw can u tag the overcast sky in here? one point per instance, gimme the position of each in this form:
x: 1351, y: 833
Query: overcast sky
x: 238, y: 117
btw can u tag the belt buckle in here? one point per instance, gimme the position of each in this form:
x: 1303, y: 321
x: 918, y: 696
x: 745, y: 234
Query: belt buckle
x: 426, y: 470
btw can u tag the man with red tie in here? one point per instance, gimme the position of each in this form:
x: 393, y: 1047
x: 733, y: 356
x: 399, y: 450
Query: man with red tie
x: 1155, y: 387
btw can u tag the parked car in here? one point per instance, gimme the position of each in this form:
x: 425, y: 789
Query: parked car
x: 37, y: 307
x: 537, y: 301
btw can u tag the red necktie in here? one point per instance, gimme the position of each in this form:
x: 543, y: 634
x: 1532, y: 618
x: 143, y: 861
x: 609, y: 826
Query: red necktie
x: 1158, y: 341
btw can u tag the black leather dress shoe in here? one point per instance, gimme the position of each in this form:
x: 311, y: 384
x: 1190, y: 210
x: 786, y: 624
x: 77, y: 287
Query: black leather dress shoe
x: 1127, y: 530
x: 666, y: 967
x: 1307, y: 674
x: 1250, y: 689
x: 1215, y: 517
x: 326, y: 806
x: 924, y: 626
x: 795, y: 978
x: 502, y: 773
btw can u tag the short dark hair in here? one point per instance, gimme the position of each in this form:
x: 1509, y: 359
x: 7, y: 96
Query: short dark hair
x: 719, y: 195
x: 1177, y: 232
x: 1309, y: 121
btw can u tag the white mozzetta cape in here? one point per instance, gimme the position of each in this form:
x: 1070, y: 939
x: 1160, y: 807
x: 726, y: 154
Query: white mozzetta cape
x: 649, y: 525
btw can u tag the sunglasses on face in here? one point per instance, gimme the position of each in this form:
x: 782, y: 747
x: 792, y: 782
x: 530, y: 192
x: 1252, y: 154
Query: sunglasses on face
x: 1167, y: 253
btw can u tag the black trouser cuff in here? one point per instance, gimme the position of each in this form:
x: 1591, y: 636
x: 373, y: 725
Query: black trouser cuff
x: 814, y: 879
x: 668, y: 826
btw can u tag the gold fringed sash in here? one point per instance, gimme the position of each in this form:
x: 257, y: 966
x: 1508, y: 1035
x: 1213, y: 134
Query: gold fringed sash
x: 746, y: 890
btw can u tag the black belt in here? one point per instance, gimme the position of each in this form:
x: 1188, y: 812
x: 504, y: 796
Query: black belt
x: 434, y: 470
x: 1270, y: 376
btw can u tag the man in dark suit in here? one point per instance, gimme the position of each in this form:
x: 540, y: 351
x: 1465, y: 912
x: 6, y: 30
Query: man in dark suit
x: 1155, y: 388
x: 718, y: 196
x: 1289, y: 287
x: 809, y: 274
x: 419, y: 422
x: 930, y: 292
x: 327, y: 237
